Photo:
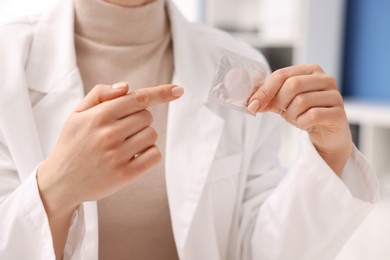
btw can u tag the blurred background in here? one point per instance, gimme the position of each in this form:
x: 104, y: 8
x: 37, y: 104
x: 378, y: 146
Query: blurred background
x: 350, y: 39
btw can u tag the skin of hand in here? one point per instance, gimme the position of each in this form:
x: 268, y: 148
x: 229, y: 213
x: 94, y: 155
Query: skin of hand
x: 94, y: 156
x: 308, y: 98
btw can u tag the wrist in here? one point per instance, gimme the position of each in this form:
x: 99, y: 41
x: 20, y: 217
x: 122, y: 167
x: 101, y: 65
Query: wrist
x: 336, y: 159
x: 54, y: 196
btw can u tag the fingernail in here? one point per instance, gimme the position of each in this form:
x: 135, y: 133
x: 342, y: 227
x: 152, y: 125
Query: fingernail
x: 120, y: 85
x: 254, y: 105
x: 177, y: 91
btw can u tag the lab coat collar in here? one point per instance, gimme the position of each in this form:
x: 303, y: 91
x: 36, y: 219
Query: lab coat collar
x: 52, y: 55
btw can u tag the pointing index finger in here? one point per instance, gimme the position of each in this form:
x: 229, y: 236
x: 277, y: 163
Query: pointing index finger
x: 144, y: 98
x: 147, y: 97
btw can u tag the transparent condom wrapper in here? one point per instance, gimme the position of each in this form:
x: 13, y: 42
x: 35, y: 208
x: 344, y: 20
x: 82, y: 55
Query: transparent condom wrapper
x: 236, y: 79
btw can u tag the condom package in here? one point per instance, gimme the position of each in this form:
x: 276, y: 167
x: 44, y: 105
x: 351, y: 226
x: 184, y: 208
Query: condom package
x: 236, y: 79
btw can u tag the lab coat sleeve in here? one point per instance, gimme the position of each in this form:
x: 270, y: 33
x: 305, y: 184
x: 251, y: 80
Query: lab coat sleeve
x: 24, y: 226
x: 313, y: 212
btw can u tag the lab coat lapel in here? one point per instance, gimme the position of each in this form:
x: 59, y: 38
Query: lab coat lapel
x: 52, y: 55
x: 52, y: 71
x: 194, y: 130
x: 47, y: 68
x: 26, y: 148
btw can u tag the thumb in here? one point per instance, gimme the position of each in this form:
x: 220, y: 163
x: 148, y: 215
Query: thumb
x: 102, y: 93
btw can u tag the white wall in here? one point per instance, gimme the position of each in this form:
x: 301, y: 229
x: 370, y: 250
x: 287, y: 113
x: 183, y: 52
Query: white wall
x: 322, y: 29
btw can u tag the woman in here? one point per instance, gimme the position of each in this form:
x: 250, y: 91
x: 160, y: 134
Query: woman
x: 71, y: 166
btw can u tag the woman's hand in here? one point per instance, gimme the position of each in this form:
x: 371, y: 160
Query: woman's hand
x: 308, y: 98
x: 104, y: 146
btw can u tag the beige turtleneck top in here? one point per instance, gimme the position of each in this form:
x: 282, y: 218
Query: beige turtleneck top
x: 115, y: 43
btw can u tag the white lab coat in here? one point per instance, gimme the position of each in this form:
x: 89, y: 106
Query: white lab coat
x: 221, y: 166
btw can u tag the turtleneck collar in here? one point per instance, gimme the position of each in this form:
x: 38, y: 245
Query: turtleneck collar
x: 111, y: 24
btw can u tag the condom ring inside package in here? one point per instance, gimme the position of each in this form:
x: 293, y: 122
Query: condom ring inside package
x: 236, y: 79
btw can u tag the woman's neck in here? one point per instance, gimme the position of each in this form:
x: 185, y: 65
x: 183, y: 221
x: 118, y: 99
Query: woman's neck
x: 111, y: 24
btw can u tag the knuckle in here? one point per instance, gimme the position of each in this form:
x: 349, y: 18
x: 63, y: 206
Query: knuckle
x: 101, y: 116
x: 316, y: 67
x: 330, y: 81
x: 148, y: 116
x: 313, y: 115
x: 151, y: 134
x: 108, y: 136
x: 301, y: 101
x: 142, y: 99
x: 99, y: 87
x: 339, y: 97
x: 280, y: 75
x: 293, y: 85
x: 156, y: 154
